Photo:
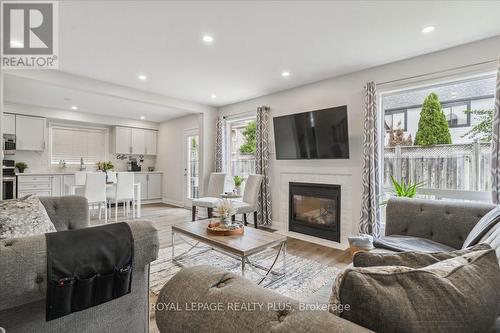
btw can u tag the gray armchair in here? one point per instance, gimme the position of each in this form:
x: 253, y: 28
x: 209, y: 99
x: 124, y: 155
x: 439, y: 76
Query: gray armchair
x: 23, y: 279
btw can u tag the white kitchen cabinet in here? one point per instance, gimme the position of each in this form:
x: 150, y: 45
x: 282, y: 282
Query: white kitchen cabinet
x: 36, y: 185
x: 9, y: 123
x: 122, y: 140
x: 150, y: 185
x: 154, y: 186
x: 30, y: 133
x: 138, y: 143
x: 150, y: 139
x: 133, y: 141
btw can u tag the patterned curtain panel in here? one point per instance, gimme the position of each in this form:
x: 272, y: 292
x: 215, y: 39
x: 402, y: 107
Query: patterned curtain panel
x: 495, y: 144
x: 219, y: 144
x: 262, y: 165
x: 370, y: 209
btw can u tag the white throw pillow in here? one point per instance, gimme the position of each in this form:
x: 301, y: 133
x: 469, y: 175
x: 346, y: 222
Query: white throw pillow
x: 24, y: 217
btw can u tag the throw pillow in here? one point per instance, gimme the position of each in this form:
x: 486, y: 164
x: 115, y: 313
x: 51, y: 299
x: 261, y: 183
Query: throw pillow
x: 487, y: 222
x: 459, y: 295
x: 409, y: 259
x: 23, y: 217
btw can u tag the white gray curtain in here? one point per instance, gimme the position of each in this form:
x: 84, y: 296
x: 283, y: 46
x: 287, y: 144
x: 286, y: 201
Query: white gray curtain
x: 262, y: 166
x: 370, y: 208
x: 220, y: 146
x: 495, y: 144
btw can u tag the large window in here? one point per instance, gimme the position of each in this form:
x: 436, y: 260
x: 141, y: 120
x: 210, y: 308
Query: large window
x: 241, y: 145
x: 71, y: 144
x: 457, y: 165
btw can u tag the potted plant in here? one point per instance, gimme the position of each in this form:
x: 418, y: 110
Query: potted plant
x: 21, y: 166
x: 404, y: 189
x: 105, y: 166
x: 238, y: 181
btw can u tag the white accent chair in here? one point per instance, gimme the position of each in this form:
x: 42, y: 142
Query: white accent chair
x: 212, y: 196
x: 80, y: 179
x: 123, y: 192
x: 250, y: 197
x: 111, y: 177
x: 95, y: 192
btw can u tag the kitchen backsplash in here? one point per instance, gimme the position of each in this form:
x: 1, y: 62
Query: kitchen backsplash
x: 39, y: 162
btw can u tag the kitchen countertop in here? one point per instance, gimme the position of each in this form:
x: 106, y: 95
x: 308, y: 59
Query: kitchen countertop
x: 68, y: 173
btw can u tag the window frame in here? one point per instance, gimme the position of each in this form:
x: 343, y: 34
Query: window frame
x: 438, y: 194
x: 228, y: 125
x: 467, y: 102
x: 65, y: 126
x: 392, y: 112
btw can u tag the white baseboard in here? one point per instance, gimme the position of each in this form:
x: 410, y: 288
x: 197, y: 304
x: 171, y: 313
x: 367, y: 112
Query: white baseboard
x: 174, y: 203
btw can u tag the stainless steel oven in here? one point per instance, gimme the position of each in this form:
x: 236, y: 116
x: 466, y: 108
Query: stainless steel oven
x: 8, y: 180
x: 9, y: 144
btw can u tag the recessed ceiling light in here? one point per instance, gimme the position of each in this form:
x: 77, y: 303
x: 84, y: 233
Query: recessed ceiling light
x: 74, y: 107
x: 142, y: 117
x: 207, y: 39
x: 16, y: 44
x: 285, y: 73
x: 213, y: 96
x: 142, y: 77
x: 428, y: 29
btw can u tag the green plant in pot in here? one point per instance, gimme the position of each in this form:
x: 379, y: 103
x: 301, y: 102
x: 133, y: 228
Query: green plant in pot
x: 21, y: 166
x: 238, y: 181
x: 404, y: 189
x: 105, y: 166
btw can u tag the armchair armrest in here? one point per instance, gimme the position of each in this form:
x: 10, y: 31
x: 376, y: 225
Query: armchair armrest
x: 207, y: 285
x: 23, y: 263
x: 446, y: 222
x: 68, y: 212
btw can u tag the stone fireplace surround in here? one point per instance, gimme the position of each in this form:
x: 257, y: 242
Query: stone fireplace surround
x: 345, y: 182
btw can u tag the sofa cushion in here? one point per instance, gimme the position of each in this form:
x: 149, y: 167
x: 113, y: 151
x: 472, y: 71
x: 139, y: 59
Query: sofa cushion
x: 400, y: 243
x: 457, y: 295
x: 411, y: 259
x: 24, y: 217
x: 482, y: 227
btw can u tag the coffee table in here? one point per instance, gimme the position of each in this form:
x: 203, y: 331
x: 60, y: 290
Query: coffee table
x: 240, y: 247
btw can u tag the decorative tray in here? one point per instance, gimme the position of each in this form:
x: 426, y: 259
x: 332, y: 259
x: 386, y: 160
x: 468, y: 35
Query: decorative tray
x: 216, y: 228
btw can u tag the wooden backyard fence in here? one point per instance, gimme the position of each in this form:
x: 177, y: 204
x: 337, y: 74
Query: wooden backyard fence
x: 450, y: 167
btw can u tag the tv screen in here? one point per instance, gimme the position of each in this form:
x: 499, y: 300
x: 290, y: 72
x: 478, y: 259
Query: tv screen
x: 320, y: 134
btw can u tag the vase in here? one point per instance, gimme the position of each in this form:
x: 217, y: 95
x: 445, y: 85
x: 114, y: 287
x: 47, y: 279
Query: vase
x: 237, y: 190
x: 225, y: 221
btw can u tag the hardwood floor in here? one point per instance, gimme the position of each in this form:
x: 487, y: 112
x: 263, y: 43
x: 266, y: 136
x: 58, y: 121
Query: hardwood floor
x: 164, y: 216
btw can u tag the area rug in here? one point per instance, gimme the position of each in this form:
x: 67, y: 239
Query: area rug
x: 304, y: 277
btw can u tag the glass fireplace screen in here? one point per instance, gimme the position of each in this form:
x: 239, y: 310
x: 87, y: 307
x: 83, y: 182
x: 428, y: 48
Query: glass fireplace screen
x: 308, y: 209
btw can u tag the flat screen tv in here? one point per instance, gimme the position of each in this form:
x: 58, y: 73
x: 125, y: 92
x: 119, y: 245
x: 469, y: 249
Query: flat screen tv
x: 320, y: 134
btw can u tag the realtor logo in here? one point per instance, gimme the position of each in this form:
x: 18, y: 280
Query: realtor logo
x: 29, y: 34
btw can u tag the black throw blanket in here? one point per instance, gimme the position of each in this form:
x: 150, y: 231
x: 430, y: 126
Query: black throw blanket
x: 87, y: 267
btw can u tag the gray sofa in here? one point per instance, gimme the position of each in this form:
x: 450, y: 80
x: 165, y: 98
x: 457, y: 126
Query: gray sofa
x: 23, y: 279
x: 442, y: 223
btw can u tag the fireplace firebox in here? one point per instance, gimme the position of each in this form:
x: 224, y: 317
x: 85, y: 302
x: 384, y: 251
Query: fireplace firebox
x: 314, y: 209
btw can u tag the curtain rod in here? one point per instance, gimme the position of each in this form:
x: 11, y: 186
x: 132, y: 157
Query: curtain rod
x: 437, y: 72
x: 248, y: 113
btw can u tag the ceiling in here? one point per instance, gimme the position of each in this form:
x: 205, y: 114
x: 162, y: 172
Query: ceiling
x: 254, y: 41
x: 39, y: 93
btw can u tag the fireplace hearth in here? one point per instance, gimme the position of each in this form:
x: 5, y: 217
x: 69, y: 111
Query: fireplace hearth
x: 314, y: 209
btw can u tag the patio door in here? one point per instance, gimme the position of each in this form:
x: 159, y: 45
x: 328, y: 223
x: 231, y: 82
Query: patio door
x: 191, y: 166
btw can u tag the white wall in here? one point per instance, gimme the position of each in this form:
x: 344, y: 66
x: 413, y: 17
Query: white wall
x: 171, y: 154
x: 348, y: 90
